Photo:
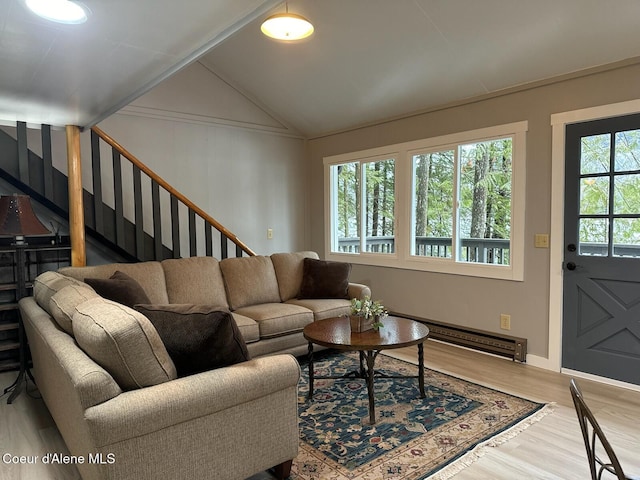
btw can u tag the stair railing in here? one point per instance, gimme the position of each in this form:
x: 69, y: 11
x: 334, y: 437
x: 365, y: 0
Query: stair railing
x: 176, y: 199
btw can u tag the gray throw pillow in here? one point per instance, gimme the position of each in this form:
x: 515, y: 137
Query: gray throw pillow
x: 198, y: 338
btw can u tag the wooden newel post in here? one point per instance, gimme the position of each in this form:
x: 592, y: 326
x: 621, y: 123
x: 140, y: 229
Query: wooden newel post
x: 76, y: 207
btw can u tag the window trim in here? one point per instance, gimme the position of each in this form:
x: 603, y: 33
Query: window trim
x: 403, y: 155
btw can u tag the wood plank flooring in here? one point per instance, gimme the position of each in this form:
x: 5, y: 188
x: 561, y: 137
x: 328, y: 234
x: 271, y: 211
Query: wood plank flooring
x: 549, y: 449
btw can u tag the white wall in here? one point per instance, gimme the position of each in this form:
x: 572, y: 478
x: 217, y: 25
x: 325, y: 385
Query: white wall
x: 225, y: 153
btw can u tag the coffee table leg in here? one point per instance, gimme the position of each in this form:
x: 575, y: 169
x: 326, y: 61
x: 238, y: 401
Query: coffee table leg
x: 371, y: 358
x: 421, y: 370
x: 310, y: 395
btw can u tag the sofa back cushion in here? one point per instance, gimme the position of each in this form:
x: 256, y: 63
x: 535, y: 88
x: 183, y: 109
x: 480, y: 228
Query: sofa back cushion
x: 149, y: 275
x: 289, y: 269
x: 195, y: 280
x: 249, y: 281
x: 123, y: 342
x: 63, y: 303
x: 48, y: 284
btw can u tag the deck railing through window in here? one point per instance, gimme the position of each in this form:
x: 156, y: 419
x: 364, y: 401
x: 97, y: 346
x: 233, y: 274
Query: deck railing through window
x: 480, y: 250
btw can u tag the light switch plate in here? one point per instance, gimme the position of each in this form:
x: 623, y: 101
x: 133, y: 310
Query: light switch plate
x: 541, y: 240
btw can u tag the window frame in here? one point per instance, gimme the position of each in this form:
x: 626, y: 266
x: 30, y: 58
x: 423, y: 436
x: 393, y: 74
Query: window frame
x: 403, y: 229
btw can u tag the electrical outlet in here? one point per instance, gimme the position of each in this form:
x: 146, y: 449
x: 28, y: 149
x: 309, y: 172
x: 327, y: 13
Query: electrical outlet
x: 505, y: 321
x: 269, y: 233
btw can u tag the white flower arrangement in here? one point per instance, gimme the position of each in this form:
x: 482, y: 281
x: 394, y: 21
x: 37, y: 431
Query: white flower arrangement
x: 369, y: 309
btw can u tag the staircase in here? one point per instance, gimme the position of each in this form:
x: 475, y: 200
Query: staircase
x: 117, y: 212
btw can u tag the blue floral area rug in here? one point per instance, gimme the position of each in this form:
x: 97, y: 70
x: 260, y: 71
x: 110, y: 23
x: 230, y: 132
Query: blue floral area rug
x: 413, y: 438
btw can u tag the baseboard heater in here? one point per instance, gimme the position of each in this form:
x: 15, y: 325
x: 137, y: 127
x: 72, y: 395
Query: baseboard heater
x: 490, y: 342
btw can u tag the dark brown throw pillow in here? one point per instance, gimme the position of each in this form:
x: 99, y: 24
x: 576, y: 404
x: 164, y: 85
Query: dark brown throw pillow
x: 198, y: 338
x: 324, y: 279
x: 120, y: 288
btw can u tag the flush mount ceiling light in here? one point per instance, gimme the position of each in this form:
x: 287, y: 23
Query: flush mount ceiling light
x: 60, y: 11
x: 287, y: 26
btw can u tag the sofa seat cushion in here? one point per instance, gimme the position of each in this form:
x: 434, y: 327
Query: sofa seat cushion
x: 198, y: 338
x: 248, y: 327
x: 149, y: 275
x: 63, y: 303
x: 324, y: 308
x: 195, y: 280
x: 249, y: 281
x: 295, y: 344
x: 123, y: 342
x: 289, y: 270
x: 47, y: 284
x: 275, y: 319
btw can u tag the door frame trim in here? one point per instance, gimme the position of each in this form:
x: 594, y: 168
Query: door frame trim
x: 556, y: 255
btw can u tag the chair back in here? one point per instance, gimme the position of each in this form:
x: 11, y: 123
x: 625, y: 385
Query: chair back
x: 593, y: 434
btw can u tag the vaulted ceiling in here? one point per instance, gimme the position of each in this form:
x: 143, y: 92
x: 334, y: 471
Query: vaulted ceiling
x: 368, y: 60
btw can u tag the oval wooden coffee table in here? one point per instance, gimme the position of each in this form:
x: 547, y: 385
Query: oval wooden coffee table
x: 397, y: 333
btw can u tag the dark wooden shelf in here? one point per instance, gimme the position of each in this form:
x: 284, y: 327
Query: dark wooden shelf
x: 9, y: 364
x: 19, y: 266
x: 9, y: 326
x: 9, y: 345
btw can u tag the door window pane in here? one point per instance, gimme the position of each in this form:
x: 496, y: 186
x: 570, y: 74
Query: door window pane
x: 594, y: 196
x: 626, y: 237
x: 626, y: 196
x: 433, y: 204
x: 594, y: 236
x: 595, y: 154
x: 380, y: 180
x: 627, y: 153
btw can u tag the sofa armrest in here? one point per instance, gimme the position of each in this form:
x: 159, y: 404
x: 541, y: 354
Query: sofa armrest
x: 151, y: 409
x: 358, y: 290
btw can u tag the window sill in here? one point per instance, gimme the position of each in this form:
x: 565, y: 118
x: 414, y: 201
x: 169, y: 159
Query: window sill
x: 430, y: 264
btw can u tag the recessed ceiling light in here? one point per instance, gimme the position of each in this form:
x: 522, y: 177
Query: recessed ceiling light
x: 60, y: 11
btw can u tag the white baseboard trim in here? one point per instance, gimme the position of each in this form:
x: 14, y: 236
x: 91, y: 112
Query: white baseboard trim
x: 605, y: 380
x: 540, y: 362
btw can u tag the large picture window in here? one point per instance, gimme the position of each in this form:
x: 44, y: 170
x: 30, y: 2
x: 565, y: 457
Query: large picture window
x: 451, y: 204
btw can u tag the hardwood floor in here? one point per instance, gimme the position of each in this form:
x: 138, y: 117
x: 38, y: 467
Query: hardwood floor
x: 549, y: 449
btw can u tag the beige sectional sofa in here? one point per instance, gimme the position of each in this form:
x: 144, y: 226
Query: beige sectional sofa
x: 118, y: 398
